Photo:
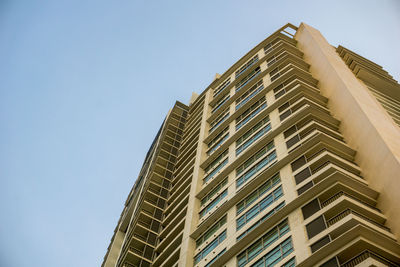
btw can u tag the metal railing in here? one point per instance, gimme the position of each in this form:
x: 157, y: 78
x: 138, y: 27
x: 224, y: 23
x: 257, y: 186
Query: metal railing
x: 342, y: 193
x: 346, y: 212
x: 365, y: 255
x: 338, y: 217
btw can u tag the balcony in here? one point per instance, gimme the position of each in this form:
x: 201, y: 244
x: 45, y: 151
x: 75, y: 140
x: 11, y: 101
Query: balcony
x: 368, y: 258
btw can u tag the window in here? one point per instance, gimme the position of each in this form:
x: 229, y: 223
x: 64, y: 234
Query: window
x: 215, y: 258
x: 216, y: 161
x: 259, y: 192
x: 210, y: 206
x: 279, y: 91
x: 290, y: 263
x: 298, y: 163
x: 265, y: 217
x: 202, y: 254
x: 276, y: 255
x: 284, y: 111
x: 210, y: 232
x: 254, y: 90
x: 214, y: 191
x: 302, y: 175
x: 248, y: 78
x: 293, y: 139
x: 275, y: 74
x: 268, y: 48
x: 252, y: 135
x: 259, y: 207
x: 290, y: 131
x: 217, y: 121
x: 220, y: 103
x: 320, y: 243
x: 331, y: 263
x: 218, y: 141
x: 246, y: 66
x: 265, y: 242
x: 315, y: 227
x: 305, y: 187
x: 222, y: 87
x: 256, y: 168
x: 271, y: 61
x: 254, y: 158
x: 215, y: 171
x: 250, y: 113
x: 311, y: 208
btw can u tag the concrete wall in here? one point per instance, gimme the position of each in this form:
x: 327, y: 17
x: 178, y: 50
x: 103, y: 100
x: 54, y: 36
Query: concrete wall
x: 366, y: 128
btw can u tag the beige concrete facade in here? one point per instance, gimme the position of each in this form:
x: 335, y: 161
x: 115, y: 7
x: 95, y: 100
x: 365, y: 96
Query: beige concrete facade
x: 289, y: 158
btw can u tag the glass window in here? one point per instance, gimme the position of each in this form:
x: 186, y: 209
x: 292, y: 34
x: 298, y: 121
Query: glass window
x: 272, y: 257
x: 210, y: 247
x: 282, y: 230
x: 254, y: 250
x: 257, y: 135
x: 253, y: 91
x: 252, y: 212
x: 215, y: 171
x: 246, y: 66
x: 219, y: 136
x: 248, y: 78
x: 266, y: 202
x: 222, y: 87
x: 257, y: 208
x: 210, y: 206
x: 210, y: 231
x: 290, y: 263
x: 255, y: 169
x: 219, y: 120
x: 214, y: 191
x: 250, y: 113
x: 215, y: 258
x: 220, y: 103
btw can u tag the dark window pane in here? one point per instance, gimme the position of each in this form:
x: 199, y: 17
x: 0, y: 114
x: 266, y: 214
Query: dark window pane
x: 164, y: 192
x: 305, y: 187
x: 289, y: 131
x: 315, y: 227
x: 331, y: 263
x: 279, y: 94
x: 320, y: 243
x: 148, y: 252
x: 298, y: 163
x: 285, y: 114
x: 279, y: 87
x: 161, y: 203
x: 158, y: 214
x: 151, y: 239
x: 155, y: 226
x: 301, y: 176
x: 310, y: 208
x: 292, y: 141
x: 283, y: 107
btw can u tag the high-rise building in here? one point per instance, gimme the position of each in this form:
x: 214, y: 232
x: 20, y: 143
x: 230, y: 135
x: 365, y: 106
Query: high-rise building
x: 289, y: 158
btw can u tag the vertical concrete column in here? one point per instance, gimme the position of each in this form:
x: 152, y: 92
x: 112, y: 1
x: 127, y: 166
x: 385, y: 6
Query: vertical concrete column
x: 188, y: 245
x: 364, y: 125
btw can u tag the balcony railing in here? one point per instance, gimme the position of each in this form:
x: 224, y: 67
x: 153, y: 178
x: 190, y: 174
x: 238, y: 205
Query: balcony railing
x: 341, y: 193
x: 365, y: 255
x: 346, y: 212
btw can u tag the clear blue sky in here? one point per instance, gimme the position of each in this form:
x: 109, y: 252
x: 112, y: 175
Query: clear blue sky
x: 85, y: 86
